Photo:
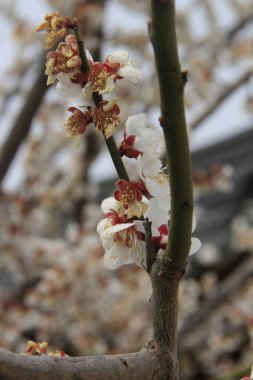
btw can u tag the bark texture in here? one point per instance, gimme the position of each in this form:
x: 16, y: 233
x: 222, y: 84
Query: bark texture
x: 157, y: 360
x: 134, y: 366
x: 164, y: 310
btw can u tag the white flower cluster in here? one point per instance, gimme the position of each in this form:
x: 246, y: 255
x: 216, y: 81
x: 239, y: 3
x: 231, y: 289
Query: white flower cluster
x: 148, y: 190
x: 78, y: 78
x: 101, y: 78
x: 146, y: 193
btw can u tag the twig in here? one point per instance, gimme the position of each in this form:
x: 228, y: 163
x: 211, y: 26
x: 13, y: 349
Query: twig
x: 110, y: 142
x: 228, y: 36
x: 221, y: 98
x: 23, y: 122
x: 238, y: 27
x: 15, y: 90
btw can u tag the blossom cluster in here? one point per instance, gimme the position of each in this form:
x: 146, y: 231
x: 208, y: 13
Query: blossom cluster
x: 145, y: 192
x: 146, y: 196
x: 38, y: 349
x: 64, y: 67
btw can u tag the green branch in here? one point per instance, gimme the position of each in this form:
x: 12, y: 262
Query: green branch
x: 171, y: 82
x: 110, y: 142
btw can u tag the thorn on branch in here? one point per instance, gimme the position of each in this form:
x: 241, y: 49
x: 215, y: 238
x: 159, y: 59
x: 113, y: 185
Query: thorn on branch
x: 149, y: 24
x: 187, y: 204
x: 162, y: 121
x: 124, y: 362
x: 172, y: 273
x: 185, y: 76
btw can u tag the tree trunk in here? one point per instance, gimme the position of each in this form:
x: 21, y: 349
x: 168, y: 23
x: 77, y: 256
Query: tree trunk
x: 164, y: 309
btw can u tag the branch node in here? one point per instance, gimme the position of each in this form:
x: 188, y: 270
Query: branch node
x: 185, y: 76
x: 169, y: 274
x: 124, y: 362
x: 187, y: 204
x: 162, y: 121
x: 149, y: 24
x: 153, y: 347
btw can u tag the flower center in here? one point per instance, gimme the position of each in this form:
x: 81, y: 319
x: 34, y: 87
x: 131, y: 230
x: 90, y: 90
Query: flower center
x: 99, y: 80
x: 127, y: 196
x: 106, y: 118
x: 72, y: 126
x: 161, y: 179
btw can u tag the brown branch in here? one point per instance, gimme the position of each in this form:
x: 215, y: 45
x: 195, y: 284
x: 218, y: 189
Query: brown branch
x: 134, y: 366
x: 227, y: 37
x: 14, y: 90
x: 164, y: 310
x: 239, y: 26
x: 221, y: 98
x: 93, y: 144
x: 22, y: 123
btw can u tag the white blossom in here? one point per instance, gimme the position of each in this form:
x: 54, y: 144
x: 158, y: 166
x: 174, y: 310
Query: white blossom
x: 120, y: 241
x: 147, y: 139
x: 150, y: 171
x: 66, y: 88
x: 127, y: 69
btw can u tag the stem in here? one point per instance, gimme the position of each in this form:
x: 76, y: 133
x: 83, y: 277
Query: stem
x: 117, y: 161
x: 110, y: 142
x: 85, y: 63
x: 171, y: 82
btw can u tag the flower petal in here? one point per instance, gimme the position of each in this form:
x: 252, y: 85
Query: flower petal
x: 67, y: 89
x: 157, y: 215
x: 116, y: 257
x: 108, y: 204
x: 151, y: 166
x: 101, y: 226
x: 118, y: 227
x: 131, y: 73
x: 195, y: 246
x: 88, y: 55
x: 159, y: 191
x: 134, y: 123
x: 193, y: 223
x: 120, y: 56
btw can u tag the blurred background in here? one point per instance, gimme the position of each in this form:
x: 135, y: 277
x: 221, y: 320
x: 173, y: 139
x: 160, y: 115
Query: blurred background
x: 53, y: 284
